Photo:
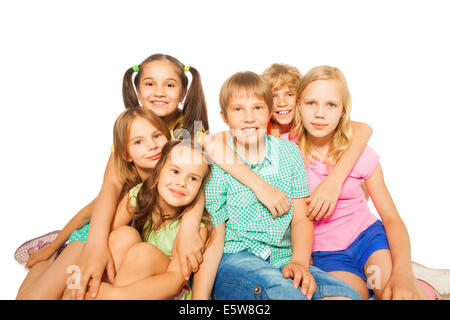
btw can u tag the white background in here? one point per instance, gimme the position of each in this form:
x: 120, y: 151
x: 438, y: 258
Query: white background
x: 61, y: 68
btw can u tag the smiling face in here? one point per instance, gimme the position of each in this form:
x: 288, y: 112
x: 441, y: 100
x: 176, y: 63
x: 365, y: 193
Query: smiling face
x: 145, y: 144
x: 284, y: 104
x: 247, y: 116
x: 181, y: 176
x: 160, y: 89
x: 321, y: 108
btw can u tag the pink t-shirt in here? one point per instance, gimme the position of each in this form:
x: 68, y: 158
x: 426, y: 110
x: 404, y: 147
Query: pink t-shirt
x: 351, y: 215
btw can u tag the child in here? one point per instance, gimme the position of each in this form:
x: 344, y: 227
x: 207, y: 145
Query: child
x: 161, y: 84
x: 258, y: 258
x: 139, y: 136
x: 146, y: 270
x: 352, y: 243
x: 285, y: 81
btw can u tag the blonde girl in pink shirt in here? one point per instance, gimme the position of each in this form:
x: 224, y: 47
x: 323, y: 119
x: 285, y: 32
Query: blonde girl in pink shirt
x: 351, y: 243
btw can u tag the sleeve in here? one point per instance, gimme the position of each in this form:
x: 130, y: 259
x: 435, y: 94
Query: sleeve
x: 300, y: 186
x: 366, y: 164
x: 216, y: 196
x: 132, y: 195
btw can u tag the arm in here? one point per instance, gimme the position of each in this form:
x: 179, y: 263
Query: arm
x: 79, y: 220
x: 325, y: 196
x: 273, y: 199
x: 401, y: 282
x: 204, y: 278
x: 122, y: 216
x: 188, y: 245
x: 96, y: 254
x: 302, y: 233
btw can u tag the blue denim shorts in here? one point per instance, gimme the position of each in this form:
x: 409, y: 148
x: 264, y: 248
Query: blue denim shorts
x: 354, y: 258
x: 244, y: 276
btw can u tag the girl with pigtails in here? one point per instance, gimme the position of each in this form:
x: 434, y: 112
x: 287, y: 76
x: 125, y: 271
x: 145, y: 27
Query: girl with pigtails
x: 160, y: 84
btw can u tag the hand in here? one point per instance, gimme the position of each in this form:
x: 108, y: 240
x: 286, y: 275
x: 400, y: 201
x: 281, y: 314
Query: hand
x: 300, y: 274
x: 105, y: 292
x: 41, y: 255
x: 323, y: 200
x: 188, y: 248
x: 402, y: 287
x: 93, y: 263
x: 272, y: 198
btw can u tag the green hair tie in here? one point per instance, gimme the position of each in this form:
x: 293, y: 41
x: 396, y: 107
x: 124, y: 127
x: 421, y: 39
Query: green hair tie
x: 186, y: 68
x: 136, y: 68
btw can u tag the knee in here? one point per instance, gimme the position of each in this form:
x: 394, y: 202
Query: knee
x: 123, y: 238
x: 145, y: 253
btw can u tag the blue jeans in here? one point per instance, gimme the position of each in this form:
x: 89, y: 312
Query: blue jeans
x: 244, y: 276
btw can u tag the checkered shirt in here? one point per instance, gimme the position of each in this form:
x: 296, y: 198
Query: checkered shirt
x: 249, y: 224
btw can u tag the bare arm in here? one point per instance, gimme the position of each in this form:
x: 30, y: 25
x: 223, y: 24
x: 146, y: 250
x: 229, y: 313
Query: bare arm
x: 204, y: 278
x: 302, y: 239
x: 302, y: 233
x: 96, y: 255
x: 402, y: 281
x: 79, y: 220
x: 324, y: 198
x: 273, y: 199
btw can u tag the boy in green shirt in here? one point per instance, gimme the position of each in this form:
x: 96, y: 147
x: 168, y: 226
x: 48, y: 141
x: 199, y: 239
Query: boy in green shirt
x: 255, y: 255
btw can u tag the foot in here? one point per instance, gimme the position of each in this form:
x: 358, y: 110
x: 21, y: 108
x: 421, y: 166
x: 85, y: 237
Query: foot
x: 438, y: 279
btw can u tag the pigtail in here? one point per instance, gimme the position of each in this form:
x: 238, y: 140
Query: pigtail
x: 130, y: 98
x: 194, y: 106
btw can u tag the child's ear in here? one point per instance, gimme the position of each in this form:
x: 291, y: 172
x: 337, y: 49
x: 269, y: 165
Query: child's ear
x: 224, y: 118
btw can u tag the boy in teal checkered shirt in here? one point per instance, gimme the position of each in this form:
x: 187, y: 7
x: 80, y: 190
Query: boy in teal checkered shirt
x: 253, y: 255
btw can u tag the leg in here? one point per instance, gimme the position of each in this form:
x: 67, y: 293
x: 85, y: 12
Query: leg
x: 51, y: 283
x: 141, y: 261
x: 354, y: 281
x: 378, y: 269
x: 120, y: 240
x: 33, y: 275
x: 244, y: 276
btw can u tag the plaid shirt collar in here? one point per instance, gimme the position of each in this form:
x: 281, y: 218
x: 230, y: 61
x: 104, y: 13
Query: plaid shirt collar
x: 268, y: 156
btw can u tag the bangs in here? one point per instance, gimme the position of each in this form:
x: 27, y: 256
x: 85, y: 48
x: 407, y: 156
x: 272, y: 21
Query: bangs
x: 245, y: 85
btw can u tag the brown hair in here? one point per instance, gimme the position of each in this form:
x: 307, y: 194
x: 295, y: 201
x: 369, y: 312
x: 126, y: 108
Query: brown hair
x: 148, y: 196
x: 245, y: 84
x: 342, y: 134
x: 194, y: 106
x: 121, y: 135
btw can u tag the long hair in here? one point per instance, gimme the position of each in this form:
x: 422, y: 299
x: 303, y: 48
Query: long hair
x: 128, y: 174
x: 341, y: 138
x: 148, y: 197
x: 194, y: 105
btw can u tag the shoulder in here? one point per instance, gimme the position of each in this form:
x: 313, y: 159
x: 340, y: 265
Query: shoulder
x: 284, y: 149
x: 133, y: 193
x: 367, y: 162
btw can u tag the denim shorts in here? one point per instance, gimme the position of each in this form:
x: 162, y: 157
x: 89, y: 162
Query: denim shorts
x: 354, y: 258
x: 244, y: 276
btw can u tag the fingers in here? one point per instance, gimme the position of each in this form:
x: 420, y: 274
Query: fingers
x: 193, y: 262
x: 111, y: 271
x: 94, y: 285
x: 322, y: 211
x: 185, y: 267
x: 330, y: 209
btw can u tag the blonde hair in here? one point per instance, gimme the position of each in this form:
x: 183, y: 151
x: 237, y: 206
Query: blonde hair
x: 341, y: 138
x: 128, y: 174
x: 244, y: 84
x: 279, y: 75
